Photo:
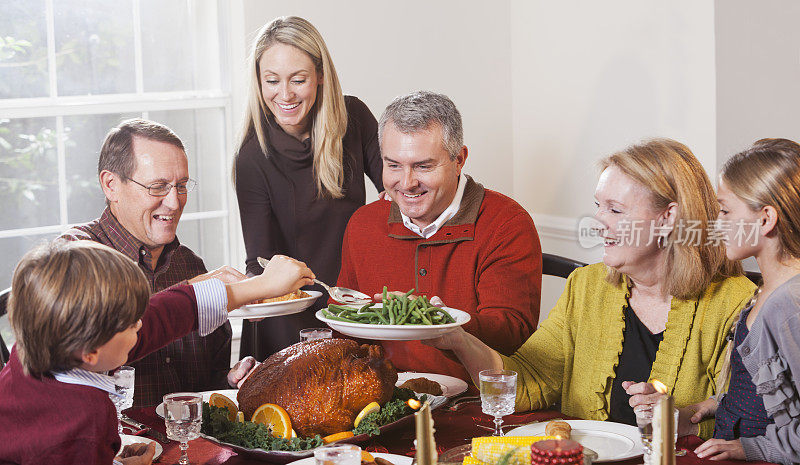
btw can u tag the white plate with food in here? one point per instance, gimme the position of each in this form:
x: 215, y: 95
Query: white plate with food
x: 277, y: 308
x: 381, y: 332
x: 449, y: 385
x: 128, y: 439
x: 229, y: 393
x: 393, y: 458
x: 612, y: 441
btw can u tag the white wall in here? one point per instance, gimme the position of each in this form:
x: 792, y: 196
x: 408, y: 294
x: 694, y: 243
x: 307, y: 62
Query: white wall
x: 591, y: 77
x: 758, y: 72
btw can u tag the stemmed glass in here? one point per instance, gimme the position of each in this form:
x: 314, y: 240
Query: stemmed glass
x: 183, y: 415
x: 344, y: 454
x: 498, y: 393
x: 644, y: 421
x: 123, y: 383
x: 309, y: 334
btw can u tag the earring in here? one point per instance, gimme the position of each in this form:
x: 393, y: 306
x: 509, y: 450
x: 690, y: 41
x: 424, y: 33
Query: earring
x: 660, y: 241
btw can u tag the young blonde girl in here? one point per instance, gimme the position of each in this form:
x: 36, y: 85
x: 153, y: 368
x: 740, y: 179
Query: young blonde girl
x: 759, y: 417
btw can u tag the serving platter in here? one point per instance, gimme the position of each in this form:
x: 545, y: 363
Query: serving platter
x: 271, y: 309
x: 393, y: 458
x: 396, y: 332
x: 282, y: 456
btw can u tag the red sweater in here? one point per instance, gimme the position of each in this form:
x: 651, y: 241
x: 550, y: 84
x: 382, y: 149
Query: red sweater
x: 486, y: 261
x: 44, y: 421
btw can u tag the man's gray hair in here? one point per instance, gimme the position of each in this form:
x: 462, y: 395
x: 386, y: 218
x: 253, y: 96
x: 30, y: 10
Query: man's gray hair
x: 419, y: 110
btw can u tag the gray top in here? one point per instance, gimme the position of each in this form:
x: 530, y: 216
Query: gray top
x: 771, y: 353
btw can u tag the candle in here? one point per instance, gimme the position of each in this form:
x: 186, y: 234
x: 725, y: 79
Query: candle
x: 663, y: 428
x: 557, y: 452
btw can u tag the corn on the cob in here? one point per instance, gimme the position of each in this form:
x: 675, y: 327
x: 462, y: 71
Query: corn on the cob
x: 492, y: 449
x: 470, y: 460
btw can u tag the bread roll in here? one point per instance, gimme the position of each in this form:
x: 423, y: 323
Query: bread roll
x: 558, y: 428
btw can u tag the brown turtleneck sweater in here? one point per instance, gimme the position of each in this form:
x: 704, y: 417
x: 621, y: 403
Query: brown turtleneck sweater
x: 282, y: 214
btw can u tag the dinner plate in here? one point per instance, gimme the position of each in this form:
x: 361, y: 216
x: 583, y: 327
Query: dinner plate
x: 612, y: 441
x: 396, y: 332
x: 286, y: 307
x: 394, y: 458
x: 229, y: 393
x: 450, y: 386
x: 128, y: 439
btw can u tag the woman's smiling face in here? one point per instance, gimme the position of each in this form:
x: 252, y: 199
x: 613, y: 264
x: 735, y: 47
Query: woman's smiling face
x: 624, y: 206
x: 289, y: 82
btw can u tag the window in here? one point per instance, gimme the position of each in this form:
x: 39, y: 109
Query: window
x: 72, y: 69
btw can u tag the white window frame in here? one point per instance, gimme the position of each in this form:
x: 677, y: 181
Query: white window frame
x: 139, y: 102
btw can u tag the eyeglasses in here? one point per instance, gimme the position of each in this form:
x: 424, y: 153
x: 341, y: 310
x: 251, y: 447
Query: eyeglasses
x: 160, y: 189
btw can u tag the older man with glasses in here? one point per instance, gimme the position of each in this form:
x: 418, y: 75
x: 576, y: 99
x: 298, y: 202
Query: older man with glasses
x: 144, y: 174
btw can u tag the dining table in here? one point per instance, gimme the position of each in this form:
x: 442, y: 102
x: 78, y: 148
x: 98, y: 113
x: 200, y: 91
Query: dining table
x: 454, y: 426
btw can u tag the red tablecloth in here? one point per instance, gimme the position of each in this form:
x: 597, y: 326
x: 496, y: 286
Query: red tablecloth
x: 453, y: 428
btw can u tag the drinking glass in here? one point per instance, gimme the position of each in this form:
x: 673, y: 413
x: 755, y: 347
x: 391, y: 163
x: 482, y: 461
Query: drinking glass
x: 183, y: 415
x: 123, y: 384
x: 345, y: 454
x: 498, y: 392
x: 644, y: 421
x: 309, y: 334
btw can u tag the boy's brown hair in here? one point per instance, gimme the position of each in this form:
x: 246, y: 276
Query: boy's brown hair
x: 71, y: 297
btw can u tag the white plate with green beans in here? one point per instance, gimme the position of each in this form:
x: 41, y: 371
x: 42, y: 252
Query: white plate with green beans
x: 397, y: 318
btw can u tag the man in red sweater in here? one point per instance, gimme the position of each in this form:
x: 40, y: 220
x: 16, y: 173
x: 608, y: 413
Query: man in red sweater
x: 442, y: 234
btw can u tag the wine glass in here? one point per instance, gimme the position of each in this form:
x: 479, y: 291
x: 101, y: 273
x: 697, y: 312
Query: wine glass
x: 183, y: 415
x: 644, y: 421
x: 498, y: 393
x: 345, y: 454
x: 123, y: 384
x: 309, y: 334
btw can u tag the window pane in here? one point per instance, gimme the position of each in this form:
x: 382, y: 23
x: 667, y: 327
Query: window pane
x: 28, y: 173
x: 23, y: 49
x: 85, y: 199
x: 166, y: 46
x: 12, y: 249
x: 94, y: 47
x: 205, y: 238
x: 203, y: 135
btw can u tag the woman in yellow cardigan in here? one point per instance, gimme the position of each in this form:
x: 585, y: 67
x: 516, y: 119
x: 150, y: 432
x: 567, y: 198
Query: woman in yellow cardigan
x: 658, y: 307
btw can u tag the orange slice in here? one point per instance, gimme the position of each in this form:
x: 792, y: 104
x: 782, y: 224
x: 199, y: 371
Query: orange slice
x: 219, y: 400
x: 337, y: 437
x: 371, y: 407
x: 276, y: 418
x: 367, y: 457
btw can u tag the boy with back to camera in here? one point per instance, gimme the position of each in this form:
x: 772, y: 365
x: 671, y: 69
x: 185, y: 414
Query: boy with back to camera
x: 75, y: 309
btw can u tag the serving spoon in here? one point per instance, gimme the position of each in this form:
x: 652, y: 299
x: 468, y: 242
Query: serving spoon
x: 342, y: 295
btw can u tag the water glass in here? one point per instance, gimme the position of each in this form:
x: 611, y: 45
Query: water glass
x: 123, y: 384
x: 498, y: 393
x: 345, y: 454
x: 309, y: 334
x: 644, y: 421
x: 183, y: 415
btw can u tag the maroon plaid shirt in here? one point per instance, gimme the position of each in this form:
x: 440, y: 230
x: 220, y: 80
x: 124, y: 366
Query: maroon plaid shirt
x: 192, y: 363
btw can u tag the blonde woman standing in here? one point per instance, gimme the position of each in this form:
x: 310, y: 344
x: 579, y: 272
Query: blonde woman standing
x: 299, y: 171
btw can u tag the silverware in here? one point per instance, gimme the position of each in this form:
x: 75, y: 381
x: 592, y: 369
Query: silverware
x: 340, y: 294
x: 458, y: 402
x: 149, y: 431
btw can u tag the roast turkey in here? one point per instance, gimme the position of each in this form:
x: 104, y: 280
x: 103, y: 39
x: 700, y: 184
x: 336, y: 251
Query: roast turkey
x: 323, y: 384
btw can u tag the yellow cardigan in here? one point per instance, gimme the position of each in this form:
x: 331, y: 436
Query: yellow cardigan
x: 573, y: 355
